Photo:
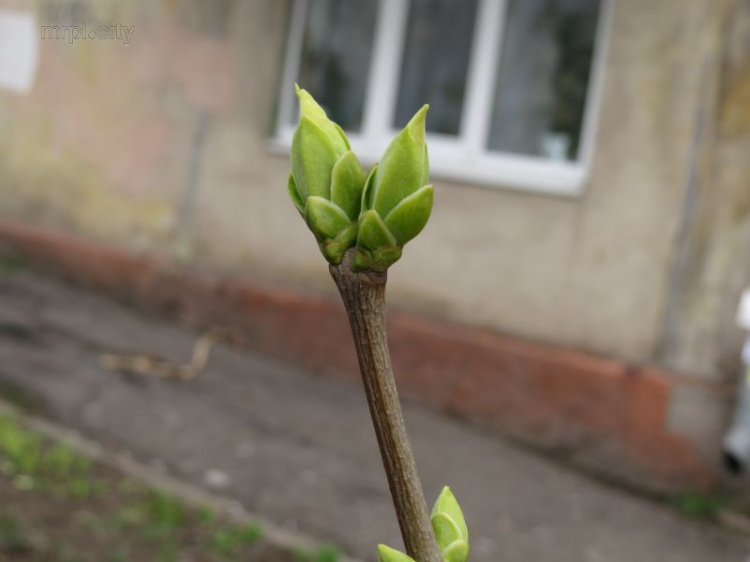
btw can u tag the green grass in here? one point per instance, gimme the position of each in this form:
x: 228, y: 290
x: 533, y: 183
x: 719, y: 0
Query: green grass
x: 12, y: 537
x: 229, y: 541
x: 697, y: 505
x: 12, y: 264
x: 325, y: 553
x: 115, y: 510
x: 130, y: 516
x: 166, y: 512
x: 34, y: 466
x: 206, y: 515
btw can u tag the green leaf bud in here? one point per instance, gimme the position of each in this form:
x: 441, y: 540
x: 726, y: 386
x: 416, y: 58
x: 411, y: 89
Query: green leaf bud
x: 387, y: 554
x: 404, y: 167
x: 324, y: 218
x: 456, y: 552
x: 294, y: 194
x: 327, y: 180
x: 396, y: 192
x: 373, y: 233
x: 449, y: 525
x: 367, y: 190
x: 408, y: 218
x: 347, y: 182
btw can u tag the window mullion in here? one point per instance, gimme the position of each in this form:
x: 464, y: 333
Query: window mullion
x: 384, y: 70
x: 482, y: 73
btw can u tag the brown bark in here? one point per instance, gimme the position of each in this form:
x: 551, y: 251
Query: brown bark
x: 364, y: 299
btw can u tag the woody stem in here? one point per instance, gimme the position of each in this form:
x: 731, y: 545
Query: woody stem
x: 363, y: 294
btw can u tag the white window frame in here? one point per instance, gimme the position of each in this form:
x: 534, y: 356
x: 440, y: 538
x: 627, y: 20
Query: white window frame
x: 463, y: 157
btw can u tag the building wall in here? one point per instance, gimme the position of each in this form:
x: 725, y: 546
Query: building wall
x: 714, y: 266
x: 162, y: 145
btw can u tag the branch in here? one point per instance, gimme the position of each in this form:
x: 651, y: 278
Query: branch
x: 364, y: 299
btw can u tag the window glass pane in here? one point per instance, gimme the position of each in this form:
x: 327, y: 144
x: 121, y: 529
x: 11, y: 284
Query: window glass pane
x: 336, y: 53
x: 545, y: 67
x: 436, y: 61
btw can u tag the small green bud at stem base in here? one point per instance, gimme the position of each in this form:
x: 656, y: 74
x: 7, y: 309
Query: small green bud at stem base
x: 388, y: 554
x: 449, y: 525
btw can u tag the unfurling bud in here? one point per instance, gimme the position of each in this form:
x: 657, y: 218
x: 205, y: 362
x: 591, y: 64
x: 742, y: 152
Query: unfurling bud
x: 387, y: 554
x: 451, y: 532
x: 396, y: 201
x: 326, y: 181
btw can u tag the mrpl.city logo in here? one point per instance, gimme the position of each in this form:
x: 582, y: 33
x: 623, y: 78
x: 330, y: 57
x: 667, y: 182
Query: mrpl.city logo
x: 74, y: 20
x: 73, y: 33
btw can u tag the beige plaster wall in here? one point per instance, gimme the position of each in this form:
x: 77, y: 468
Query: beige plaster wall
x: 107, y: 141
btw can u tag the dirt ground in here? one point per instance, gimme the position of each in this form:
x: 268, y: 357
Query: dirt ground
x: 298, y: 448
x: 56, y: 506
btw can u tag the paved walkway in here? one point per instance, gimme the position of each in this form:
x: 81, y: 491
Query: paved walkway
x: 300, y: 450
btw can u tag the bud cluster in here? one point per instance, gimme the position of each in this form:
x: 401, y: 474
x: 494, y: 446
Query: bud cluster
x: 375, y: 214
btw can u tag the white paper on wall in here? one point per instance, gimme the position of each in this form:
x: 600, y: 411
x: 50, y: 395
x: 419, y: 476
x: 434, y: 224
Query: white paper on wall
x: 19, y: 50
x: 743, y: 312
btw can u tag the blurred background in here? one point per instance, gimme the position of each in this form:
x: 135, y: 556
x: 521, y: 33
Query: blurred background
x: 568, y: 318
